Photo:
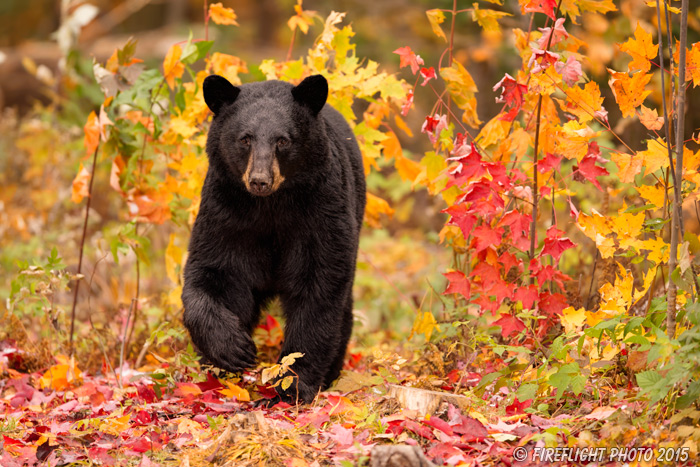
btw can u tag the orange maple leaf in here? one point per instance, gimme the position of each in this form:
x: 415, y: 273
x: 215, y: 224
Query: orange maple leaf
x: 628, y: 164
x: 222, y: 15
x: 650, y: 118
x: 172, y: 67
x: 375, y: 207
x: 692, y: 61
x: 92, y: 133
x: 629, y: 91
x: 641, y: 49
x: 80, y: 185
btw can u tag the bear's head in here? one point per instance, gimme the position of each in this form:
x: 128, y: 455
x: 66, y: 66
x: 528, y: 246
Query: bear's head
x: 269, y: 134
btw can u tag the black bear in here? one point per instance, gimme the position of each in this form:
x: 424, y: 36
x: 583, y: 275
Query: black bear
x: 280, y: 216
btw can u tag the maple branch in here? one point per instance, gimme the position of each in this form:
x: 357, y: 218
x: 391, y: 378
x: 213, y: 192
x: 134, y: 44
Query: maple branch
x: 533, y: 224
x: 677, y: 196
x: 82, y: 249
x: 206, y: 20
x: 291, y: 44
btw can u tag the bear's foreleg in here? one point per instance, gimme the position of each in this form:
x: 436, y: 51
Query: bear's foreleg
x: 220, y: 315
x: 319, y: 329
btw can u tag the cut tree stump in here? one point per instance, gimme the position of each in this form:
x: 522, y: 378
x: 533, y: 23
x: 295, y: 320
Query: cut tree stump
x: 424, y: 401
x: 401, y: 455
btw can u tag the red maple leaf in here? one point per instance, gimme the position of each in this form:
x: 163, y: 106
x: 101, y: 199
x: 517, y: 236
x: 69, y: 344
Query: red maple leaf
x: 510, y: 325
x: 519, y: 225
x: 485, y: 236
x: 542, y: 59
x: 552, y: 303
x: 546, y: 273
x: 457, y: 283
x: 469, y: 166
x: 512, y: 93
x: 541, y: 6
x: 461, y: 218
x: 527, y: 296
x: 548, y: 162
x: 517, y: 408
x: 508, y: 261
x: 407, y: 105
x: 555, y: 244
x: 559, y: 34
x: 590, y: 171
x: 427, y: 74
x: 487, y: 273
x: 408, y: 57
x: 571, y: 71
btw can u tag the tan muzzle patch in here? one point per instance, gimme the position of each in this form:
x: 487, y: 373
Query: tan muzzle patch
x: 277, y: 177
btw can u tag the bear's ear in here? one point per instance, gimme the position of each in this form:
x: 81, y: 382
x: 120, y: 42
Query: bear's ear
x: 312, y: 92
x: 218, y: 91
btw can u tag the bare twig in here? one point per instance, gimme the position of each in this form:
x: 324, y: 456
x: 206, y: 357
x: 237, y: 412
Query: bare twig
x: 82, y: 249
x: 677, y: 197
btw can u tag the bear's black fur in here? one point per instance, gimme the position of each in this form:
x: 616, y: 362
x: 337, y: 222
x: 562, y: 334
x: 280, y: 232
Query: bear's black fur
x: 281, y: 211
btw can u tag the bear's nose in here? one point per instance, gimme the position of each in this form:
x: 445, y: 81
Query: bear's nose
x: 260, y: 184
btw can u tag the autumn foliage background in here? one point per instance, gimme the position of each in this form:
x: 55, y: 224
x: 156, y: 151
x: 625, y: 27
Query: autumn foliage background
x: 520, y: 250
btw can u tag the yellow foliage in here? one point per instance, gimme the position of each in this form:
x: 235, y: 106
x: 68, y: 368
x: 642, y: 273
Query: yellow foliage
x: 222, y: 15
x: 375, y: 208
x: 172, y: 67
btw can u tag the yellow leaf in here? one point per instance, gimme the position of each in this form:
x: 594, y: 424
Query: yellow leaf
x: 629, y: 91
x: 461, y: 87
x: 222, y: 15
x: 692, y: 61
x: 303, y: 19
x: 228, y: 66
x: 650, y: 118
x: 436, y: 17
x: 654, y: 194
x: 593, y: 225
x: 404, y: 127
x: 392, y: 146
x: 80, y: 185
x: 183, y: 127
x: 573, y: 139
x: 488, y: 19
x: 584, y: 102
x: 424, y: 324
x: 572, y: 319
x: 655, y: 157
x: 115, y: 425
x: 628, y: 227
x: 593, y: 318
x: 493, y: 132
x: 62, y: 375
x: 407, y: 169
x: 658, y: 250
x: 172, y: 67
x: 286, y: 382
x: 375, y: 207
x: 234, y: 390
x: 606, y: 246
x: 173, y: 259
x: 641, y: 49
x: 629, y: 165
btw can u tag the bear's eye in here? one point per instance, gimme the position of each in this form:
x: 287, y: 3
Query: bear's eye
x: 245, y: 141
x: 282, y: 143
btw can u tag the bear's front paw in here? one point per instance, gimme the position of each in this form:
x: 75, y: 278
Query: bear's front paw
x: 235, y: 352
x: 301, y: 394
